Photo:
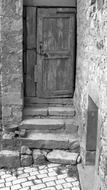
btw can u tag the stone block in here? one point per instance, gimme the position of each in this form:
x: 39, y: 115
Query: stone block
x: 12, y: 8
x: 26, y: 160
x: 9, y: 159
x: 62, y: 157
x: 74, y: 147
x: 23, y: 133
x: 10, y: 144
x: 26, y: 150
x: 38, y: 157
x: 14, y: 99
x: 6, y: 111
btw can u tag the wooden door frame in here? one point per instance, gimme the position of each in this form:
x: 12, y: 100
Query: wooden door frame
x: 50, y: 3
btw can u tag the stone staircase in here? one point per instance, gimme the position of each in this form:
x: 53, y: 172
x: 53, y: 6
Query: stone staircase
x: 50, y: 127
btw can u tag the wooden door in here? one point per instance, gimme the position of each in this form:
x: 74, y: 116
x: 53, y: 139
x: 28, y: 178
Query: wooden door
x: 56, y: 45
x: 49, y: 52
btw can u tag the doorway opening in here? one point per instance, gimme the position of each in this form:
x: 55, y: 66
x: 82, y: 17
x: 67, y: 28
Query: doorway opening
x: 49, y: 52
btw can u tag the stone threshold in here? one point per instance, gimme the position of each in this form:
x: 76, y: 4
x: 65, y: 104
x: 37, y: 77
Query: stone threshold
x: 86, y: 176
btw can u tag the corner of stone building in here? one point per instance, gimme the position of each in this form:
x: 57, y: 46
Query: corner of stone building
x: 11, y: 67
x: 91, y: 79
x: 11, y: 62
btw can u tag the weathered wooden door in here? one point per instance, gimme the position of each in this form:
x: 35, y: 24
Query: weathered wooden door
x: 50, y: 52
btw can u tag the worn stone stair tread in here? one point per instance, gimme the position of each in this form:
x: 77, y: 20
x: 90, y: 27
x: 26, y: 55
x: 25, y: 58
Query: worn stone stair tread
x: 29, y: 111
x: 61, y: 110
x: 35, y: 111
x: 47, y: 124
x: 42, y: 124
x: 49, y: 140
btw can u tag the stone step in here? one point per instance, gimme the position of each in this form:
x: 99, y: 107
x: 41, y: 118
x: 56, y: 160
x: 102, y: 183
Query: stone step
x: 65, y: 125
x: 50, y: 141
x: 49, y: 111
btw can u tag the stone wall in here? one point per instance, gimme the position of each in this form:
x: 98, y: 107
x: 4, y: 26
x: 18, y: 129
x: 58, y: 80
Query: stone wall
x: 11, y: 61
x: 91, y: 78
x: 0, y: 69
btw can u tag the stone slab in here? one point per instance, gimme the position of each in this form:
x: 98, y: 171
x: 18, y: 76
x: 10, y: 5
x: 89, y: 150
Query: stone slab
x: 86, y: 176
x: 61, y: 111
x: 9, y: 159
x: 62, y: 157
x: 42, y: 124
x: 35, y: 111
x: 69, y: 125
x: 49, y: 140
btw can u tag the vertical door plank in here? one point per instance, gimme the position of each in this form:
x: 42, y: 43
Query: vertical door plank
x: 31, y: 27
x: 30, y: 53
x: 30, y: 82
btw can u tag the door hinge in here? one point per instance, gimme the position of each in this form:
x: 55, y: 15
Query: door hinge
x: 35, y: 73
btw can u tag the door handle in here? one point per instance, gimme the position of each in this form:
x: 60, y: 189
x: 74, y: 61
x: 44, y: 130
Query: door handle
x: 42, y: 52
x: 41, y: 48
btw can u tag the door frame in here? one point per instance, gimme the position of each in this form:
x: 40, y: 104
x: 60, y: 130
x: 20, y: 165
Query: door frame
x: 51, y: 3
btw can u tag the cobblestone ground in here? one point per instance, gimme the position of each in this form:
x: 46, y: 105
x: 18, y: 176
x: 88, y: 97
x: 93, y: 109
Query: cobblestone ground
x: 43, y: 177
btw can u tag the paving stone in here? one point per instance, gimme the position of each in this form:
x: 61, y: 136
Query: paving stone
x: 50, y: 174
x: 37, y: 187
x: 10, y: 178
x: 48, y: 179
x: 60, y: 181
x: 27, y: 184
x: 34, y: 173
x: 59, y: 187
x: 2, y: 185
x: 8, y: 184
x: 2, y: 180
x: 38, y: 178
x: 62, y: 157
x: 67, y: 185
x: 5, y: 188
x: 19, y: 181
x: 9, y: 159
x: 62, y: 176
x: 70, y: 179
x: 32, y: 177
x: 76, y: 188
x: 50, y: 188
x: 23, y: 175
x: 50, y: 184
x: 26, y: 160
x: 16, y: 187
x: 37, y: 181
x: 42, y: 176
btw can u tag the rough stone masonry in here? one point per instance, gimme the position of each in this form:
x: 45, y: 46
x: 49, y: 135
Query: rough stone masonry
x: 91, y: 73
x: 91, y: 78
